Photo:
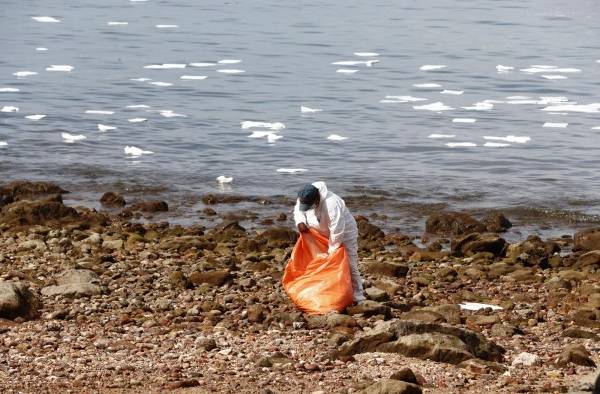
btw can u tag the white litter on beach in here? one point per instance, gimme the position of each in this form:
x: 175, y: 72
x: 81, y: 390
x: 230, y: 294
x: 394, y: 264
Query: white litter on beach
x: 3, y: 143
x: 41, y: 49
x: 141, y: 79
x: 554, y: 76
x: 427, y: 85
x: 475, y: 306
x: 138, y: 106
x: 98, y: 112
x: 555, y: 125
x: 504, y: 69
x: 161, y: 83
x: 135, y: 151
x: 460, y: 144
x: 193, y: 77
x: 137, y: 120
x: 307, y: 110
x: 495, y: 145
x: 103, y: 128
x: 45, y: 19
x: 509, y: 138
x: 431, y: 67
x: 231, y: 71
x: 35, y: 118
x: 345, y: 71
x: 405, y: 99
x: 464, y: 120
x: 335, y: 137
x: 291, y: 170
x: 117, y: 23
x: 202, y: 64
x: 549, y: 69
x: 271, y: 138
x: 168, y: 113
x: 165, y: 66
x: 229, y: 61
x: 587, y: 108
x: 249, y: 124
x: 9, y: 108
x: 454, y: 92
x: 71, y: 138
x: 9, y: 90
x: 60, y: 67
x: 224, y: 179
x: 436, y: 107
x: 480, y: 106
x: 167, y: 26
x: 441, y: 136
x: 23, y: 74
x: 366, y: 54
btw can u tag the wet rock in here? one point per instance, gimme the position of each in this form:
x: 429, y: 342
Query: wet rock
x: 587, y: 240
x: 589, y: 259
x: 576, y: 354
x: 112, y: 199
x: 185, y: 243
x: 533, y: 251
x: 367, y: 230
x: 75, y: 283
x: 209, y: 212
x: 391, y: 386
x: 27, y: 212
x: 214, y: 278
x: 453, y: 224
x: 149, y: 206
x: 496, y: 222
x: 369, y: 308
x: 575, y: 332
x: 385, y: 268
x: 228, y: 230
x: 16, y: 300
x: 405, y: 375
x: 25, y: 190
x: 526, y: 359
x: 279, y: 237
x: 375, y: 294
x: 476, y: 243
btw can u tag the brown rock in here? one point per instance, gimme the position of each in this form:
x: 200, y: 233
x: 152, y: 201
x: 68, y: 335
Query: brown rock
x: 405, y: 375
x: 575, y: 332
x: 112, y: 199
x: 386, y: 268
x: 215, y: 278
x: 589, y: 259
x: 16, y: 300
x: 587, y: 240
x: 453, y: 224
x: 369, y: 308
x: 576, y: 354
x: 279, y: 237
x: 496, y: 222
x: 256, y: 313
x: 483, y: 320
x: 376, y: 294
x: 391, y: 386
x: 430, y: 346
x: 424, y: 316
x: 25, y: 190
x: 533, y: 251
x: 36, y: 212
x: 387, y: 285
x: 150, y: 206
x: 476, y: 243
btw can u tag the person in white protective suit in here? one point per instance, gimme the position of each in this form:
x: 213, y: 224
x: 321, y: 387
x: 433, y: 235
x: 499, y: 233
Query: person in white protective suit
x: 326, y: 212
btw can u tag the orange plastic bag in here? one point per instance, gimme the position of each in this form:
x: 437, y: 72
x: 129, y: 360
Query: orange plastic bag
x: 318, y: 285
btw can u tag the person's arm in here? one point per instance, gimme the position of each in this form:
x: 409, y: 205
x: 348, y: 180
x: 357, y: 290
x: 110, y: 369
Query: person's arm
x: 300, y: 218
x: 337, y: 224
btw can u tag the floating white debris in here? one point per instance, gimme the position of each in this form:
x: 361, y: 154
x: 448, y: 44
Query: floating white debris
x: 368, y: 63
x: 495, y: 145
x: 518, y: 98
x: 231, y: 71
x: 9, y: 108
x: 403, y: 99
x: 460, y: 144
x: 98, y: 112
x: 454, y: 92
x: 291, y: 170
x: 345, y: 71
x: 480, y: 106
x: 475, y: 306
x: 555, y: 125
x: 41, y: 49
x: 464, y: 120
x: 271, y: 138
x: 45, y: 19
x: 554, y: 77
x: 549, y: 69
x: 161, y: 83
x: 167, y: 26
x: 35, y: 117
x: 138, y: 106
x: 103, y: 127
x: 117, y: 23
x: 9, y: 90
x: 168, y: 113
x: 137, y: 120
x: 553, y: 100
x: 436, y: 107
x: 3, y: 143
x: 366, y: 54
x: 140, y: 79
x: 249, y: 124
x: 135, y: 151
x: 70, y: 138
x: 229, y: 61
x: 431, y: 67
x: 307, y: 110
x: 23, y: 74
x: 427, y: 85
x: 504, y: 69
x: 193, y: 77
x: 441, y: 136
x: 60, y: 67
x: 509, y: 138
x: 335, y: 137
x: 165, y: 66
x: 260, y: 134
x: 224, y: 179
x: 588, y: 108
x: 596, y: 128
x: 202, y: 64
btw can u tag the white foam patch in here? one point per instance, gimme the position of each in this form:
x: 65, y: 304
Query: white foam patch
x: 271, y: 138
x: 98, y: 112
x: 553, y: 100
x: 35, y: 118
x: 229, y: 61
x: 134, y: 151
x: 165, y: 66
x: 504, y: 69
x: 137, y: 120
x: 336, y: 137
x: 427, y: 85
x: 141, y: 79
x: 9, y: 108
x: 45, y: 19
x: 366, y: 54
x: 138, y: 1
x: 167, y: 26
x: 41, y: 49
x: 60, y: 67
x: 460, y: 144
x: 345, y: 71
x: 291, y: 170
x: 454, y: 92
x: 224, y: 179
x: 402, y: 99
x: 464, y: 120
x: 521, y: 102
x: 71, y: 138
x: 436, y: 107
x: 231, y: 71
x: 518, y: 98
x: 480, y: 106
x: 168, y: 113
x: 3, y: 143
x: 549, y: 69
x: 554, y: 77
x: 23, y: 74
x: 555, y: 125
x: 9, y: 90
x: 138, y: 106
x: 509, y: 138
x: 193, y: 77
x: 495, y: 145
x: 475, y: 306
x: 432, y: 67
x: 161, y: 83
x: 117, y: 23
x: 307, y: 110
x: 439, y: 136
x: 260, y: 134
x: 368, y: 63
x: 587, y: 108
x: 202, y: 64
x: 250, y: 124
x: 103, y: 128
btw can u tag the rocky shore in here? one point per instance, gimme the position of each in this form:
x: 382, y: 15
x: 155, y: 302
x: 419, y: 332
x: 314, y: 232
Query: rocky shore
x: 95, y: 301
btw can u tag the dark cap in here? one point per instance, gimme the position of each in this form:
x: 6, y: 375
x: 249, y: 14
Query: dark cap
x: 308, y: 196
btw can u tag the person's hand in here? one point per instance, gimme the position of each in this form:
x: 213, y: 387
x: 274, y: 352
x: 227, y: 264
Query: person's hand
x: 303, y: 228
x: 321, y: 256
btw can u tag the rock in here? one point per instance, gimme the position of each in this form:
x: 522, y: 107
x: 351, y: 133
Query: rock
x: 430, y: 346
x: 586, y: 317
x: 207, y: 344
x: 368, y: 231
x: 375, y: 294
x: 451, y: 313
x: 496, y: 222
x: 149, y: 206
x: 113, y: 244
x: 533, y: 252
x: 483, y: 320
x: 256, y: 313
x: 369, y: 308
x: 476, y: 243
x: 338, y: 320
x: 75, y: 283
x: 178, y: 280
x: 32, y: 244
x: 571, y: 275
x: 112, y: 199
x: 386, y: 268
x: 424, y: 315
x: 576, y: 354
x: 279, y: 237
x: 504, y: 330
x: 27, y: 212
x: 391, y: 386
x: 524, y: 275
x: 587, y: 240
x: 184, y: 243
x: 453, y: 224
x: 16, y: 300
x: 589, y: 259
x: 405, y: 375
x: 389, y: 286
x: 25, y: 190
x: 526, y: 359
x: 215, y: 278
x: 180, y: 384
x: 575, y: 332
x: 479, y: 366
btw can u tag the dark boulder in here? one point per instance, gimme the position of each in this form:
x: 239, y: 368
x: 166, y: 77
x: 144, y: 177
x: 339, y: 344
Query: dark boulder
x: 453, y: 224
x: 150, y: 206
x: 587, y: 240
x: 476, y: 243
x: 25, y: 190
x: 112, y: 199
x: 533, y: 251
x: 28, y: 212
x: 496, y: 222
x: 16, y: 300
x: 279, y: 237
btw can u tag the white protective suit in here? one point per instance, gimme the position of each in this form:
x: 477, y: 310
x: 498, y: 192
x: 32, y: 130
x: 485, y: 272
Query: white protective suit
x: 332, y: 219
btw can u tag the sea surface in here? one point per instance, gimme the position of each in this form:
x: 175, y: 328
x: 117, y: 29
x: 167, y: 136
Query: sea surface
x: 453, y: 104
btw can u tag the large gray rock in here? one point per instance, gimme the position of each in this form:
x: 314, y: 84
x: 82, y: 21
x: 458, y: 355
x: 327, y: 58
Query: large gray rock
x: 75, y: 283
x: 16, y: 300
x: 430, y: 346
x: 391, y: 386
